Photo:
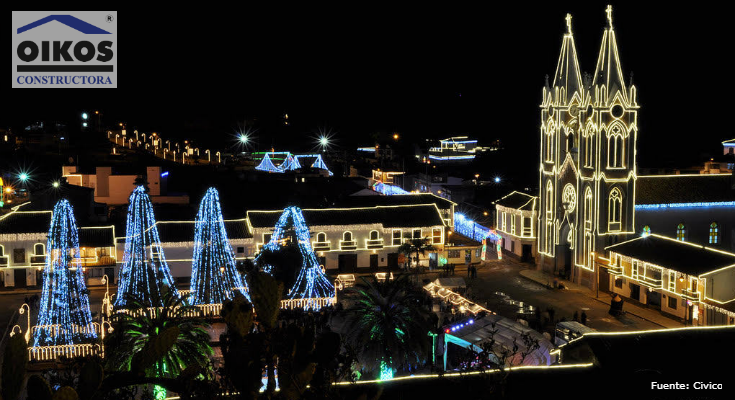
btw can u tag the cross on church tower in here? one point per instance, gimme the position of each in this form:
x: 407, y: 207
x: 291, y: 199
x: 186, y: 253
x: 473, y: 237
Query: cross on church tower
x: 608, y: 10
x: 569, y: 24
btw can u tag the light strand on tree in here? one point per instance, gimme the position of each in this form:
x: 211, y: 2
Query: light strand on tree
x: 144, y: 271
x: 214, y: 275
x: 64, y: 317
x: 311, y: 282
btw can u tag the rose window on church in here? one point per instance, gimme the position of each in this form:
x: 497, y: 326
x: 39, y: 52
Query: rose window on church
x: 569, y: 198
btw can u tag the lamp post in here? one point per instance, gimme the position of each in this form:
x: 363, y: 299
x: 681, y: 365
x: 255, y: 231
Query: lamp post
x: 23, y: 309
x: 116, y: 137
x: 106, y: 306
x: 168, y: 143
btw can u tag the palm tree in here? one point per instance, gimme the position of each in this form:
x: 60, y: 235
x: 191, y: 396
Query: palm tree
x: 388, y: 324
x: 159, y: 342
x: 417, y: 247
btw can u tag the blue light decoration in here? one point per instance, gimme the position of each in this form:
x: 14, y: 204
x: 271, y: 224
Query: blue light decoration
x: 386, y: 371
x: 388, y: 189
x: 467, y: 227
x: 311, y: 283
x: 685, y: 205
x: 455, y: 328
x: 214, y: 277
x: 267, y: 165
x: 319, y: 163
x: 144, y: 271
x: 291, y: 164
x: 64, y: 317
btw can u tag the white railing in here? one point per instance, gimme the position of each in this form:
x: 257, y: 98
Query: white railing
x: 56, y: 329
x: 50, y: 353
x: 316, y: 302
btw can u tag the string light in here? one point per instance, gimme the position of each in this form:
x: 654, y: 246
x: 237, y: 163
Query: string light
x: 144, y: 269
x: 214, y: 275
x: 64, y: 317
x: 388, y: 189
x: 311, y: 283
x: 267, y: 165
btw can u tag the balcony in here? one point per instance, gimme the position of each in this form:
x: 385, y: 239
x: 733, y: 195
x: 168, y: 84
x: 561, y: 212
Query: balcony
x: 614, y: 269
x: 3, y: 261
x: 374, y: 243
x: 651, y: 282
x: 689, y: 295
x: 321, y: 246
x: 38, y: 260
x: 348, y: 245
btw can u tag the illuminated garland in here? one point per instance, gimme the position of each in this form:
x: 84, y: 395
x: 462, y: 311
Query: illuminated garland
x: 467, y: 227
x: 319, y: 163
x: 387, y: 189
x: 214, y: 275
x: 144, y: 269
x: 685, y: 205
x: 311, y: 283
x: 64, y: 317
x: 267, y: 165
x: 291, y: 163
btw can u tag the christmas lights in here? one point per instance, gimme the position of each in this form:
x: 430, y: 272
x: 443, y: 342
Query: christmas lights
x: 267, y: 165
x: 64, y: 317
x: 144, y: 269
x: 214, y: 275
x: 319, y: 163
x: 388, y: 189
x: 467, y: 227
x: 311, y: 283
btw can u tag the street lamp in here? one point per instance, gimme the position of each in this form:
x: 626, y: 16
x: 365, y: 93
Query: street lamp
x: 23, y: 309
x: 56, y: 184
x: 23, y: 176
x: 168, y: 143
x: 244, y: 138
x: 497, y: 179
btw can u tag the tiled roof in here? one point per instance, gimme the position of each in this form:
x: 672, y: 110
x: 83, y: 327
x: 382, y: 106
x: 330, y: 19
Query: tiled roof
x: 25, y: 222
x: 667, y: 189
x: 103, y: 236
x: 183, y: 231
x: 456, y: 239
x: 518, y: 200
x: 665, y: 252
x: 390, y: 216
x: 395, y: 200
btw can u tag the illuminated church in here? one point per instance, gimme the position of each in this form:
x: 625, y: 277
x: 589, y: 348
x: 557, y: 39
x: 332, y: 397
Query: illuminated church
x: 588, y: 159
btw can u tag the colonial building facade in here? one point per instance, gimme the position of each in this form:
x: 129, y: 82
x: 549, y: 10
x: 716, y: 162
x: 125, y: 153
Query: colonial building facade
x: 587, y: 167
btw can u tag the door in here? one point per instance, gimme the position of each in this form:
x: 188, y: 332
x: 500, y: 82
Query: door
x: 373, y: 262
x: 20, y: 277
x: 347, y: 263
x: 635, y: 292
x: 526, y: 253
x: 604, y: 277
x: 393, y: 261
x: 653, y: 299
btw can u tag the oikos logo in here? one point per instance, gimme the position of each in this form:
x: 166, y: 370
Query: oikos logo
x: 62, y: 49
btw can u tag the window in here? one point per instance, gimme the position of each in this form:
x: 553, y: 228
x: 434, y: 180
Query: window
x: 347, y: 237
x: 417, y: 233
x: 549, y: 218
x: 615, y: 147
x: 19, y: 256
x: 321, y: 237
x: 550, y: 141
x: 693, y: 287
x: 646, y: 231
x: 527, y: 229
x: 714, y: 233
x: 267, y: 237
x: 453, y: 254
x: 635, y: 270
x: 588, y: 137
x: 436, y: 235
x: 240, y: 249
x: 38, y: 249
x: 503, y: 226
x: 673, y: 302
x: 619, y: 283
x: 396, y: 238
x: 374, y: 235
x: 2, y: 251
x: 615, y: 209
x: 513, y: 224
x: 672, y: 281
x: 680, y: 232
x: 588, y: 209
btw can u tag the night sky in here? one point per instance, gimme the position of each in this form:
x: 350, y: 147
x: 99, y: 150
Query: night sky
x: 424, y: 72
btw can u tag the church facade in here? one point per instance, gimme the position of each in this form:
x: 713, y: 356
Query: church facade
x: 587, y: 171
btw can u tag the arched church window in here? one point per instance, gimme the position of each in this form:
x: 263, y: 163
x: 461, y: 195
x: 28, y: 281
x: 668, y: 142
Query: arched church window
x: 550, y: 141
x: 615, y: 210
x: 714, y: 233
x: 588, y: 208
x: 615, y: 147
x: 588, y: 138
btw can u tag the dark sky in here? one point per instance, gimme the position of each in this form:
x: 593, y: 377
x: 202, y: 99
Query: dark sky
x: 198, y: 72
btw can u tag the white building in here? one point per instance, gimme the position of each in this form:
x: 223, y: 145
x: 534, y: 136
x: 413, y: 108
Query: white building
x: 115, y: 189
x: 516, y: 214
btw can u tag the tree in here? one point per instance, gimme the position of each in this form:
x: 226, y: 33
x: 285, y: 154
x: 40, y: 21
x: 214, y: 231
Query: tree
x: 388, y: 325
x: 417, y: 247
x: 159, y: 342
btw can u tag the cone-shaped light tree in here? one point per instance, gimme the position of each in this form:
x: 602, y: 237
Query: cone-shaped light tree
x: 144, y: 271
x: 311, y: 282
x: 64, y: 317
x: 214, y: 277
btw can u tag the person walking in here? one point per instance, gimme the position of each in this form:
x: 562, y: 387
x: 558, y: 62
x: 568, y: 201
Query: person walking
x: 583, y: 317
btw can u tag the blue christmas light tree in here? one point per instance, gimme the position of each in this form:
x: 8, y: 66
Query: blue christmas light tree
x: 214, y: 276
x: 64, y: 316
x: 311, y: 283
x: 319, y: 163
x: 144, y: 271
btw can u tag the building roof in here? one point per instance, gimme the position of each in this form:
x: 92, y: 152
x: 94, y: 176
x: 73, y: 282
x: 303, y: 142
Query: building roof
x: 25, y: 222
x: 567, y: 74
x: 389, y: 216
x: 102, y: 236
x: 459, y: 240
x: 667, y: 189
x: 395, y: 200
x: 183, y: 231
x: 688, y: 258
x: 651, y: 351
x: 518, y: 200
x: 608, y: 72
